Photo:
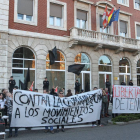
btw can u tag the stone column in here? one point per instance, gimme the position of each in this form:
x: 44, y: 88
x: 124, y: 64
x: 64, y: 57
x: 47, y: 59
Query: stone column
x: 134, y: 74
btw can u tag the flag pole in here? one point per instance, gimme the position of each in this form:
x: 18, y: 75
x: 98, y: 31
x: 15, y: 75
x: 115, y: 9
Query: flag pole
x: 117, y: 25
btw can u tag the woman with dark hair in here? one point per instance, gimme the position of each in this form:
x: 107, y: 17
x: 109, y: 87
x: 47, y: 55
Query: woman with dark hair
x: 69, y: 93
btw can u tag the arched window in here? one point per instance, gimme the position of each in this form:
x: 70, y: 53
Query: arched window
x: 105, y: 71
x: 56, y: 72
x: 85, y: 77
x: 138, y: 73
x: 22, y: 59
x: 124, y: 70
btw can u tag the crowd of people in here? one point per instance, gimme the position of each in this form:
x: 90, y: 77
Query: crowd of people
x: 6, y: 101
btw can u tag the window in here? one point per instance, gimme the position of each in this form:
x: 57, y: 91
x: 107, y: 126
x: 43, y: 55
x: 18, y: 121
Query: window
x: 22, y: 59
x: 85, y: 76
x: 105, y: 71
x: 124, y: 70
x: 56, y: 15
x: 26, y: 11
x: 123, y: 2
x: 106, y: 30
x: 81, y: 21
x: 56, y: 72
x: 138, y: 31
x: 123, y: 28
x: 137, y: 4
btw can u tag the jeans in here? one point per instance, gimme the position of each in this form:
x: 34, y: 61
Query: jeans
x: 104, y: 108
x: 51, y: 128
x: 10, y: 128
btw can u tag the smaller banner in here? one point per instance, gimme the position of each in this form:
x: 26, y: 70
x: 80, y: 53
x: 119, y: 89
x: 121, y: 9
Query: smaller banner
x: 126, y: 99
x: 32, y: 109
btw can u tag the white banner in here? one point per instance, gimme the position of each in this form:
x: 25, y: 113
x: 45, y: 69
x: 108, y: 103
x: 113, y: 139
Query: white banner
x: 126, y: 99
x: 32, y: 109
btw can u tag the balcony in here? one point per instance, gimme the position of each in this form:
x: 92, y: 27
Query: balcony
x: 100, y: 40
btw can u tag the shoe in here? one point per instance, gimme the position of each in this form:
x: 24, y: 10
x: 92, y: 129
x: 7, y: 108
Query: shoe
x: 63, y: 130
x: 9, y: 136
x: 94, y: 125
x: 46, y: 131
x: 52, y: 132
x: 100, y: 125
x: 15, y: 135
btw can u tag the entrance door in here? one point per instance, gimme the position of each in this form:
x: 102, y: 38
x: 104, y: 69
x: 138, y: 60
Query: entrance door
x: 102, y: 79
x: 84, y: 80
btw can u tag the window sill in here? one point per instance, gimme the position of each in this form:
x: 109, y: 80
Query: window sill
x: 127, y: 5
x: 26, y: 22
x: 136, y: 9
x: 56, y: 27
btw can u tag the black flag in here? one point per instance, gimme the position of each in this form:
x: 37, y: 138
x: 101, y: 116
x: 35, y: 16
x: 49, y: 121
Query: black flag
x: 53, y: 55
x: 21, y: 85
x: 27, y: 79
x: 76, y: 68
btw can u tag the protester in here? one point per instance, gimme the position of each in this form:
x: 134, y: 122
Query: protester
x: 46, y: 84
x: 99, y: 121
x: 35, y: 90
x: 69, y: 93
x: 46, y: 91
x: 123, y: 83
x: 130, y: 83
x: 9, y: 99
x: 108, y: 84
x: 2, y: 103
x: 12, y: 84
x: 62, y: 126
x: 104, y: 104
x: 77, y: 87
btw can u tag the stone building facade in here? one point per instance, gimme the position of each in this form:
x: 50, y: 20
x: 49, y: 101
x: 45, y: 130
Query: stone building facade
x: 109, y: 54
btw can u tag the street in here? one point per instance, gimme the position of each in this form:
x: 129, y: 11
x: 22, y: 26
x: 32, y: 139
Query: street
x: 107, y: 132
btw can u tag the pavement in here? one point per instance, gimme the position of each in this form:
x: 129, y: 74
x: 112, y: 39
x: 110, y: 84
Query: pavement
x: 84, y: 132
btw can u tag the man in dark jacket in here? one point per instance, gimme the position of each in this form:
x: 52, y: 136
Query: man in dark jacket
x: 130, y: 83
x: 12, y: 84
x: 108, y: 84
x: 46, y: 84
x: 123, y: 83
x: 77, y: 87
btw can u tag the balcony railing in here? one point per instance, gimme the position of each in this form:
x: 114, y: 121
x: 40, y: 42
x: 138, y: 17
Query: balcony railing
x: 94, y: 37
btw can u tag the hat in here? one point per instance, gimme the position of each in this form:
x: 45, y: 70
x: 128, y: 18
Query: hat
x: 11, y: 77
x: 45, y: 77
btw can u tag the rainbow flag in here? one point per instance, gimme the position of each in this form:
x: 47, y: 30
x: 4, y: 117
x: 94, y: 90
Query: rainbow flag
x: 110, y: 15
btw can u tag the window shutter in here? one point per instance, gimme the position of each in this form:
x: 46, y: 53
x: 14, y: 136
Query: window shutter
x: 137, y: 1
x: 138, y: 30
x: 25, y: 7
x: 123, y: 27
x: 82, y: 15
x: 101, y: 21
x: 55, y: 10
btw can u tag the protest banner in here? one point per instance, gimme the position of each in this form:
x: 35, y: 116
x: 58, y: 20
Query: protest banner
x: 32, y: 109
x: 126, y: 99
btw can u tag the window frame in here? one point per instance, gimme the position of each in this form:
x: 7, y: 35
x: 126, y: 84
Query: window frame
x: 34, y: 17
x: 128, y: 34
x: 135, y: 6
x: 136, y: 23
x: 127, y: 3
x: 64, y: 15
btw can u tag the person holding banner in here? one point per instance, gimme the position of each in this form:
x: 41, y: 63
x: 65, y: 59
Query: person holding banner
x: 46, y: 84
x: 123, y: 83
x: 130, y: 83
x: 62, y: 126
x: 9, y: 99
x: 46, y: 91
x: 77, y: 87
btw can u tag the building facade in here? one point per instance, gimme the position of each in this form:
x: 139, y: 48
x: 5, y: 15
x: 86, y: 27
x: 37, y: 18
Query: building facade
x: 30, y: 28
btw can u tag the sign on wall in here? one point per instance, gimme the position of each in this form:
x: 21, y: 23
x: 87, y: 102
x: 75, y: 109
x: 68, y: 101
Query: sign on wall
x: 35, y: 109
x: 126, y: 99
